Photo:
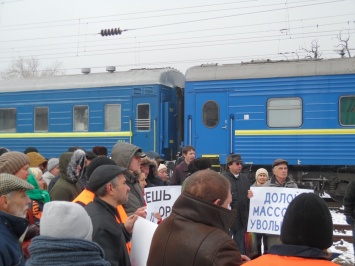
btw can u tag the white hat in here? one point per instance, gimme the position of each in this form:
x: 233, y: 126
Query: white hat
x: 63, y: 219
x: 261, y: 171
x: 161, y: 167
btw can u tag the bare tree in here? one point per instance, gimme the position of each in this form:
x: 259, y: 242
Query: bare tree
x: 23, y: 68
x: 344, y: 44
x: 314, y: 51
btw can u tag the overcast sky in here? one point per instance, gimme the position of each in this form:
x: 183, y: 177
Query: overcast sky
x: 179, y: 34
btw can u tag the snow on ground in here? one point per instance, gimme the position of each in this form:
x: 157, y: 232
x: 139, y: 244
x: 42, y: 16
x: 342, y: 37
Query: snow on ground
x: 345, y: 248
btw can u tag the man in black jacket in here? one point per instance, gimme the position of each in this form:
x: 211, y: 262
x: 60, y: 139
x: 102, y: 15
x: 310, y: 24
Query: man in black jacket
x: 109, y: 185
x: 349, y: 207
x: 240, y: 202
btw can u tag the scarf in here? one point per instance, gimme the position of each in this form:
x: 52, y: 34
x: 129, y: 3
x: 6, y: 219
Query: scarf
x: 65, y: 252
x: 37, y: 193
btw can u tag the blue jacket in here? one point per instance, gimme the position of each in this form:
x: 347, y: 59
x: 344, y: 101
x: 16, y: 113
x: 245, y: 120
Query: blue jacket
x: 11, y: 229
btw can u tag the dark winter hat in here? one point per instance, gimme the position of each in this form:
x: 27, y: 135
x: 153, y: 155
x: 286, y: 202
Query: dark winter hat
x: 154, y: 155
x: 30, y: 149
x: 307, y: 222
x: 234, y: 158
x: 3, y: 150
x: 11, y: 162
x: 74, y: 148
x: 100, y: 150
x: 98, y: 161
x: 9, y: 183
x: 104, y: 174
x: 279, y: 161
x: 90, y: 155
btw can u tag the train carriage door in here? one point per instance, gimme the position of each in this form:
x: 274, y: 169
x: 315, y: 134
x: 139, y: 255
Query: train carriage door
x: 143, y: 123
x: 212, y: 124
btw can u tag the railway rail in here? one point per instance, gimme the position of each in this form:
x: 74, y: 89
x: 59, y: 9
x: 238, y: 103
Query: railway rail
x: 340, y: 230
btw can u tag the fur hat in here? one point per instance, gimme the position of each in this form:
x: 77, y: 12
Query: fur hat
x: 62, y: 219
x: 52, y: 163
x: 261, y: 171
x: 104, y: 174
x: 307, y: 222
x: 11, y: 162
x: 78, y: 159
x: 9, y: 183
x: 36, y: 159
x: 279, y: 161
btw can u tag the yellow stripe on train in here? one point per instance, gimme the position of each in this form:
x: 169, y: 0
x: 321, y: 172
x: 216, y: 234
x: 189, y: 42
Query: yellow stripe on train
x: 347, y: 131
x: 64, y: 135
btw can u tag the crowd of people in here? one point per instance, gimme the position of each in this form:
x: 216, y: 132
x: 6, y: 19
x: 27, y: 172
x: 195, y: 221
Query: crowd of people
x: 80, y: 209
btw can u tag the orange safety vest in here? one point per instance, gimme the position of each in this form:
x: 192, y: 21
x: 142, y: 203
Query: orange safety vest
x: 87, y: 196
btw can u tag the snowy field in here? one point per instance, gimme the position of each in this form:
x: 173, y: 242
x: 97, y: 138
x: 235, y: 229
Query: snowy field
x: 345, y: 248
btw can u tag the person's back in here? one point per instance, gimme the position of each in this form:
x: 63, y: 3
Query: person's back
x: 196, y: 232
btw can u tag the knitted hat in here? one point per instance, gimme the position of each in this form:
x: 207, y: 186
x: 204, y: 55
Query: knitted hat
x: 52, y: 163
x: 104, y: 174
x: 36, y: 159
x: 9, y: 183
x: 307, y: 222
x: 64, y: 219
x: 161, y: 167
x: 261, y: 171
x: 98, y: 161
x: 11, y: 162
x: 279, y: 161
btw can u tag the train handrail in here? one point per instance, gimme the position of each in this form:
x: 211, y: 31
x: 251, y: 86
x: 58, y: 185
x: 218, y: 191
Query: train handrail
x: 190, y: 129
x: 231, y: 134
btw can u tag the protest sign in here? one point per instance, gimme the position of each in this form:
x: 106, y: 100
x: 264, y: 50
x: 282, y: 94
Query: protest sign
x: 160, y: 199
x: 142, y: 235
x: 268, y: 206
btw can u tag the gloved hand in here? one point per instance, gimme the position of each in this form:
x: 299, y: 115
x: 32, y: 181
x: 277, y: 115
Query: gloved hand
x: 349, y: 220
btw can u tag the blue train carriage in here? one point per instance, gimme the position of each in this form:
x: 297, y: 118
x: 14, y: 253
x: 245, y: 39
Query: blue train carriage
x: 302, y: 111
x: 52, y: 114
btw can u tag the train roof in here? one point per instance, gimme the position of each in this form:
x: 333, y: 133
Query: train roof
x: 165, y: 76
x: 271, y: 69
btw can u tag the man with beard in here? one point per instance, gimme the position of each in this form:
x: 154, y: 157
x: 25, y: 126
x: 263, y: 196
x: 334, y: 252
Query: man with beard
x: 13, y: 209
x: 108, y: 182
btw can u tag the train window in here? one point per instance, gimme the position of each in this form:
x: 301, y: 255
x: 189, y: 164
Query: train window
x: 81, y: 118
x: 41, y: 118
x: 7, y: 120
x: 143, y: 117
x: 347, y: 111
x: 113, y: 117
x: 210, y: 114
x: 284, y: 112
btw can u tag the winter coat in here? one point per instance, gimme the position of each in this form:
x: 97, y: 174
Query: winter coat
x: 240, y: 200
x: 110, y: 235
x: 179, y: 174
x: 11, y: 229
x: 67, y: 187
x: 195, y: 234
x: 135, y: 196
x: 289, y: 183
x: 291, y: 255
x: 122, y: 154
x: 349, y: 200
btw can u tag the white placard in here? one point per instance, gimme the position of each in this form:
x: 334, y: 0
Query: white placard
x: 268, y: 206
